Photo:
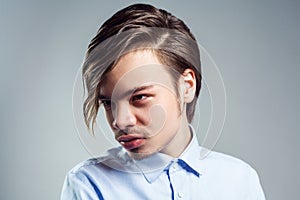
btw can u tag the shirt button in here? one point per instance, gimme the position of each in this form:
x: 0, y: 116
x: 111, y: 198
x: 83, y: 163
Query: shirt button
x: 179, y: 194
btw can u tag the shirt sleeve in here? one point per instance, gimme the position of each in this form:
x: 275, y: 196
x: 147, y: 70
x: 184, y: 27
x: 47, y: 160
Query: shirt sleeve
x: 256, y: 192
x: 77, y: 187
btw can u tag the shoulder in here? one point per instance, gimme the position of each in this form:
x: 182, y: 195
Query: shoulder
x: 224, y: 159
x: 112, y: 158
x: 83, y: 180
x: 222, y: 163
x: 231, y: 173
x: 230, y: 176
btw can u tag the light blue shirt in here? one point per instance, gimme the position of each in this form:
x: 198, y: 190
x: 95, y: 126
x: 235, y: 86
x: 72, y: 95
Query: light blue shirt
x: 116, y: 176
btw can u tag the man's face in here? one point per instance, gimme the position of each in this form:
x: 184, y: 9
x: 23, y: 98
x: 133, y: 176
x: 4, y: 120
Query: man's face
x: 142, y: 107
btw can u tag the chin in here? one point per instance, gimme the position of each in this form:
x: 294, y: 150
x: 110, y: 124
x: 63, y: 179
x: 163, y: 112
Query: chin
x: 138, y: 155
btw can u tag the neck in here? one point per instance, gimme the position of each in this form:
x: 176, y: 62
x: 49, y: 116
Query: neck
x: 180, y: 141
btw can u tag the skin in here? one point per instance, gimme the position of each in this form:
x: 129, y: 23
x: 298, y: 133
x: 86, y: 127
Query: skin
x: 142, y: 106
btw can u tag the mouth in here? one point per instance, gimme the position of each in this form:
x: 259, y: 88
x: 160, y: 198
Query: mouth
x: 131, y: 142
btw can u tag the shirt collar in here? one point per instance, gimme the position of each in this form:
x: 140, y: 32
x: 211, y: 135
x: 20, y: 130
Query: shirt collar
x: 191, y: 154
x: 153, y: 166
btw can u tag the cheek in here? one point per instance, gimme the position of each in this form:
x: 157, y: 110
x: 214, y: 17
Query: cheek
x: 143, y: 116
x: 171, y: 106
x: 165, y: 113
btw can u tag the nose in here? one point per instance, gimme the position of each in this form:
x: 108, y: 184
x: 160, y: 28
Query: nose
x: 123, y: 117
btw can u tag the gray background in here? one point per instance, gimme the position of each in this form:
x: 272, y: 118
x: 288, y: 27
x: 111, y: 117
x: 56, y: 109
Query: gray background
x: 255, y: 45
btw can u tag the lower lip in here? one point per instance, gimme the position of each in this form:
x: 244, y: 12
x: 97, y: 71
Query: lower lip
x: 133, y: 144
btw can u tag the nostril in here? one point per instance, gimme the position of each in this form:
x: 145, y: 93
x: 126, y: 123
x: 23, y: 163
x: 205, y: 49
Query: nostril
x: 114, y: 124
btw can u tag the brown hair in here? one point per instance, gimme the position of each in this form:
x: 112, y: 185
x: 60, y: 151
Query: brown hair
x: 136, y: 27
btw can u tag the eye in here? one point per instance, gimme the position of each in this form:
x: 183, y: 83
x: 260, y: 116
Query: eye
x: 139, y: 97
x: 106, y: 103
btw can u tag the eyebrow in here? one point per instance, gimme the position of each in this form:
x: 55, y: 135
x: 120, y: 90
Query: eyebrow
x: 129, y: 92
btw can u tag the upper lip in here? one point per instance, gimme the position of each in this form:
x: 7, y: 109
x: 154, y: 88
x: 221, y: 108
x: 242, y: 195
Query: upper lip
x: 126, y: 138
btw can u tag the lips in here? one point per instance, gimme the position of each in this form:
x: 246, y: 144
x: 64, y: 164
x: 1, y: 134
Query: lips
x: 130, y: 142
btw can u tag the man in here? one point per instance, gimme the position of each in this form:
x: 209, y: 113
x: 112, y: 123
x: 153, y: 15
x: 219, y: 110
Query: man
x: 143, y: 66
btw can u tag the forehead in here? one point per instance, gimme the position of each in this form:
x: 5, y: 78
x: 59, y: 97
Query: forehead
x: 134, y: 70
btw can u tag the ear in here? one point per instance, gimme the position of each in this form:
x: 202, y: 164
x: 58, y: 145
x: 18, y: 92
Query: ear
x: 189, y: 80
